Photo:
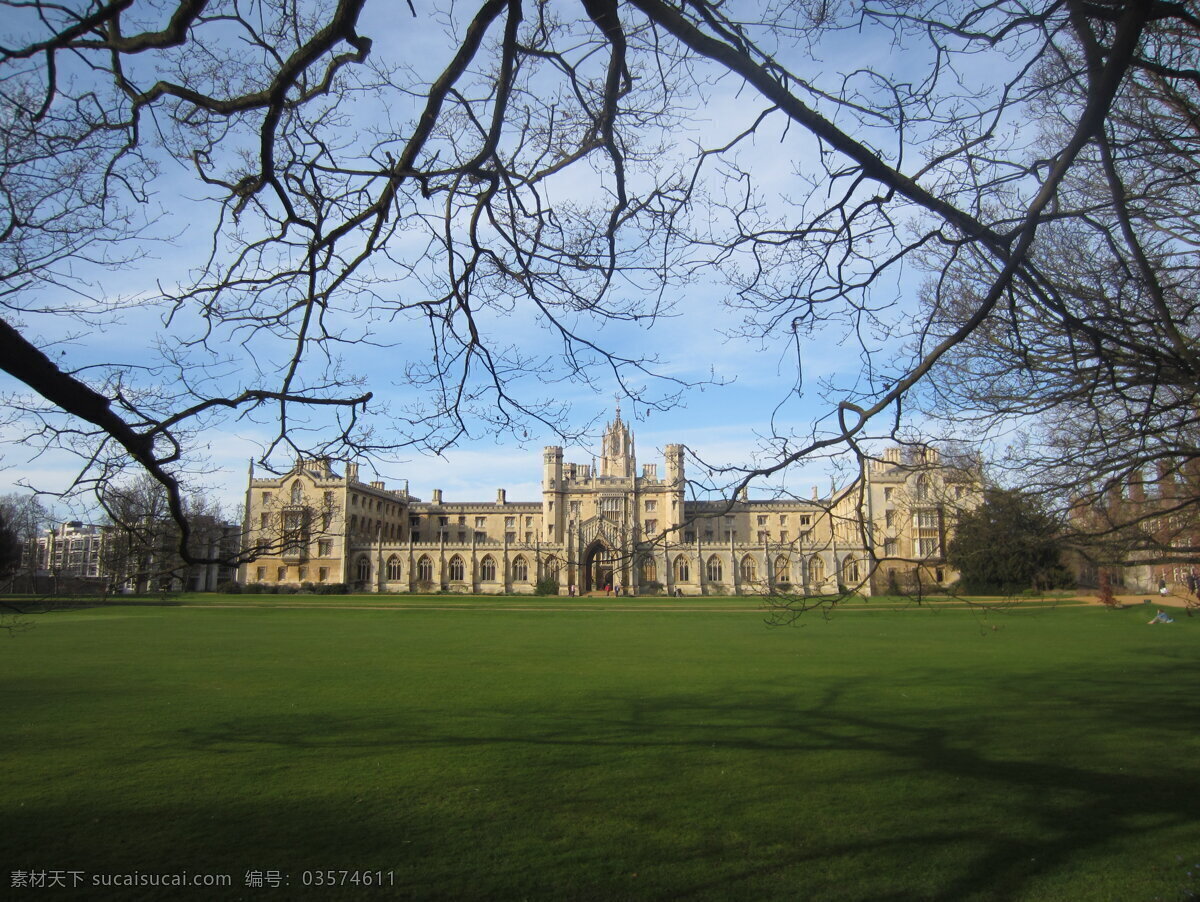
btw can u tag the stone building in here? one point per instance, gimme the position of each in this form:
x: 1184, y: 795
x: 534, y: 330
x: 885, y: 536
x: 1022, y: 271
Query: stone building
x: 605, y: 524
x: 1140, y: 530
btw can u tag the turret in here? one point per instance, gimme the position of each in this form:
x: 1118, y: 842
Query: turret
x: 552, y: 487
x: 617, y: 457
x: 552, y: 470
x: 674, y: 455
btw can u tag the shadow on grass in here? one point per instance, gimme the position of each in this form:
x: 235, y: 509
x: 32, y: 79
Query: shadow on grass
x: 1008, y: 786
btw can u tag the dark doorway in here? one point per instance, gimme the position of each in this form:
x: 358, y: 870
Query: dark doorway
x: 598, y: 565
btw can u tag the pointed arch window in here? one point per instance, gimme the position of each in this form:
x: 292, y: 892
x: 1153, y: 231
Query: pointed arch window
x: 682, y: 571
x: 851, y: 573
x: 749, y: 570
x: 364, y: 569
x: 487, y: 569
x: 715, y: 570
x: 649, y: 570
x: 425, y: 569
x: 393, y: 567
x: 520, y: 569
x: 297, y: 492
x: 457, y: 570
x: 816, y: 570
x: 783, y: 572
x: 922, y: 489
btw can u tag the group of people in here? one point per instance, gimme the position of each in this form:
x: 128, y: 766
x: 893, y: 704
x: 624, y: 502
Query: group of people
x: 1193, y: 583
x: 614, y: 589
x: 609, y: 589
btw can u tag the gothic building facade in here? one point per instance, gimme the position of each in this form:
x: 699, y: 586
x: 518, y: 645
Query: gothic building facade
x: 1140, y: 530
x: 606, y: 524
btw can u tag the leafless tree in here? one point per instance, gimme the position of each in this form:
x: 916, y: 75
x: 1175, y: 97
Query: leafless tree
x: 534, y: 162
x: 141, y: 548
x: 28, y: 517
x: 1095, y: 363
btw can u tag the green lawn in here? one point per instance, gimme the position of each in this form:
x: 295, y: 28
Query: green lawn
x: 544, y: 749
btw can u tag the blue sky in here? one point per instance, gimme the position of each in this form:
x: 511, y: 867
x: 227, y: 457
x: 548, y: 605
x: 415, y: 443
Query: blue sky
x: 722, y: 423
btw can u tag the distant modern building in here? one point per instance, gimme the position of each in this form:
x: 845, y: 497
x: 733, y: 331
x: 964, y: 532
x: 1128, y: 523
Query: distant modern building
x: 71, y: 549
x: 607, y: 524
x: 83, y: 551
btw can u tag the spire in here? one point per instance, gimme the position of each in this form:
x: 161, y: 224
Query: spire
x: 616, y: 448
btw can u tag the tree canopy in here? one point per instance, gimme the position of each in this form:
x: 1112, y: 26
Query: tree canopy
x: 1008, y: 544
x: 10, y: 548
x: 1033, y: 161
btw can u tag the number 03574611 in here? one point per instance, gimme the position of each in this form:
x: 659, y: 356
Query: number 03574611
x: 347, y: 878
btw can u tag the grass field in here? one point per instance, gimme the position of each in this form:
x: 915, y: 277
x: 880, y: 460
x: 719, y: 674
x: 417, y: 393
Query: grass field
x: 574, y: 749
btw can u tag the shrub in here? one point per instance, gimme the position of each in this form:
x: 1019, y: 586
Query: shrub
x: 230, y: 587
x: 1107, y: 598
x: 546, y: 586
x: 651, y: 587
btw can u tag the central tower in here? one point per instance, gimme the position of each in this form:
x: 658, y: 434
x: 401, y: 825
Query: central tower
x: 616, y: 451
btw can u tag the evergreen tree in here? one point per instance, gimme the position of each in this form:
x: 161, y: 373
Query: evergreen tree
x: 1008, y: 544
x: 10, y: 548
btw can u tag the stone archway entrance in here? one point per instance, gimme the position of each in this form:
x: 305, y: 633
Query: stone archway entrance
x: 599, y: 565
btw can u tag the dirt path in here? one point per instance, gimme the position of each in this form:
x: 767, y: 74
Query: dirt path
x: 1168, y: 601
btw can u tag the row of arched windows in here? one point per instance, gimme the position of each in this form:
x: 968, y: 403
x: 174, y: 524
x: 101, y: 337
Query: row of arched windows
x: 456, y: 569
x: 714, y: 569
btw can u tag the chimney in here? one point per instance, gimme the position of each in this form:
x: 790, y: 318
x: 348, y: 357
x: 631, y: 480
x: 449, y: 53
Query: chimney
x: 501, y: 496
x: 352, y: 472
x: 378, y: 485
x: 1137, y: 488
x: 1165, y: 471
x: 437, y: 496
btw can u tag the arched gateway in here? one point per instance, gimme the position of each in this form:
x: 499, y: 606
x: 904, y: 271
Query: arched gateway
x: 599, y: 566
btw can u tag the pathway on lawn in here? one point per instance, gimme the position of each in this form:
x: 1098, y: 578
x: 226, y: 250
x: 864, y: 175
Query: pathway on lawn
x: 1152, y: 598
x: 637, y: 607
